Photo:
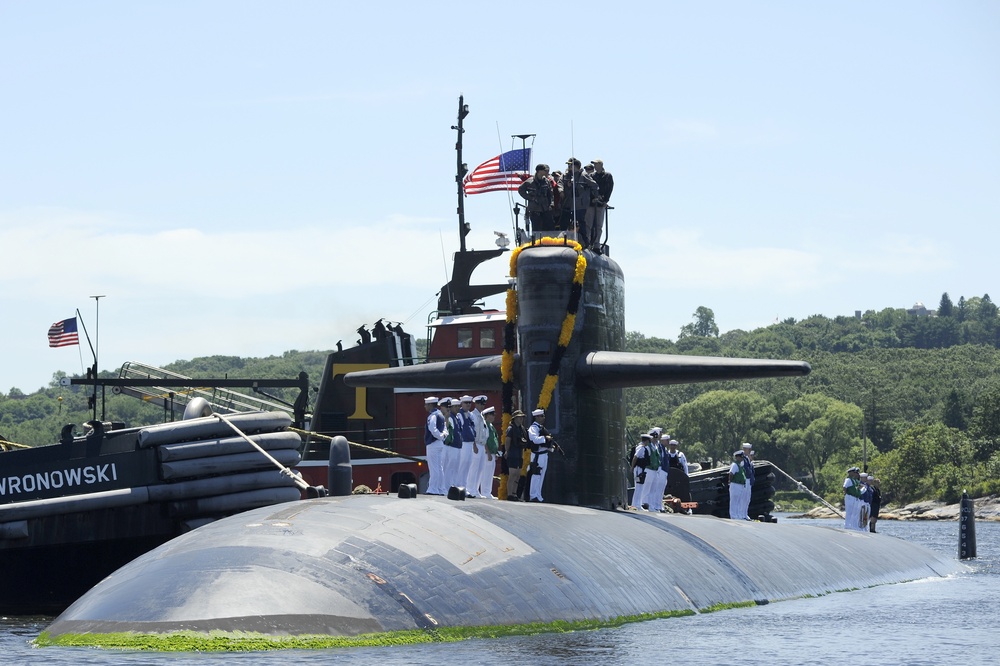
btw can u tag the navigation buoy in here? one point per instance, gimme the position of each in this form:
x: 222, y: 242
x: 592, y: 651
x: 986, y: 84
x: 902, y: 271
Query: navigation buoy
x: 967, y: 528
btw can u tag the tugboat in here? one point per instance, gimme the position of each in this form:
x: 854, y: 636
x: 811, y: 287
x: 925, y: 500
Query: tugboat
x: 73, y: 512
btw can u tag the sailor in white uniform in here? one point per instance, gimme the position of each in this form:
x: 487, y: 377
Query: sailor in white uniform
x: 656, y: 474
x: 852, y: 499
x: 435, y: 432
x: 739, y: 487
x: 540, y: 441
x: 748, y: 457
x: 478, y: 455
x: 675, y: 457
x: 467, y: 433
x: 490, y: 448
x: 452, y: 443
x: 640, y: 459
x: 865, y: 499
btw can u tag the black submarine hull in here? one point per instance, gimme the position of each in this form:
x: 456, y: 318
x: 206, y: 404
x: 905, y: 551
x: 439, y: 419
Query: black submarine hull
x: 365, y: 564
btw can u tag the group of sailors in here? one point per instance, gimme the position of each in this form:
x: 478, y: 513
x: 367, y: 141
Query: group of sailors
x: 862, y: 500
x: 463, y: 449
x: 652, y: 463
x: 574, y: 201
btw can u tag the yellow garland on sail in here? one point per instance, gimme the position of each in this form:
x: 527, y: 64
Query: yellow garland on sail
x: 565, y: 332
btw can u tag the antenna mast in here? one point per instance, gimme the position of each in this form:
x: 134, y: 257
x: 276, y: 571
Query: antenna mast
x: 460, y: 171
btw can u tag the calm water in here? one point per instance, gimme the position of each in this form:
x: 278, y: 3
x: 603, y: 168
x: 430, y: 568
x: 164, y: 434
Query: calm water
x: 936, y: 621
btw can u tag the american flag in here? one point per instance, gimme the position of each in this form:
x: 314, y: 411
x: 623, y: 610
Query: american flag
x: 504, y: 172
x: 63, y: 333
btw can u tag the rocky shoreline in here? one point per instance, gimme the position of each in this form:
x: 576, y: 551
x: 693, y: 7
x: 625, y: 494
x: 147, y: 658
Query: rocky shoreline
x: 987, y: 508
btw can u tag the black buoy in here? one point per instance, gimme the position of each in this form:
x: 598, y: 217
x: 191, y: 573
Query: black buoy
x: 407, y: 490
x: 339, y: 476
x: 967, y: 528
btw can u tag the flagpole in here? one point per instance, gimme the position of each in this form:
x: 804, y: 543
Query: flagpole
x: 92, y: 372
x: 96, y: 349
x: 524, y: 146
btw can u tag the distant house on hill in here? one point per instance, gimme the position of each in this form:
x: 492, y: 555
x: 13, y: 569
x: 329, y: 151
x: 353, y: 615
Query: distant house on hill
x: 919, y: 310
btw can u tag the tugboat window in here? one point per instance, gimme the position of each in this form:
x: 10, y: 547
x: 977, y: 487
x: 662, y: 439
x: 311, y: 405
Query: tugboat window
x: 487, y: 338
x: 465, y: 338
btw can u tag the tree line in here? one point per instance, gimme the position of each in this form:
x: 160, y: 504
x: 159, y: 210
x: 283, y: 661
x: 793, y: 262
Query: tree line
x: 914, y: 397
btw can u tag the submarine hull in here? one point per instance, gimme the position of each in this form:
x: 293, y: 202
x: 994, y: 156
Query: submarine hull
x: 363, y: 564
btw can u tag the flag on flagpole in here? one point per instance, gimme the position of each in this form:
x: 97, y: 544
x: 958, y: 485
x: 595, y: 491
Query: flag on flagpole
x: 506, y: 171
x: 63, y: 333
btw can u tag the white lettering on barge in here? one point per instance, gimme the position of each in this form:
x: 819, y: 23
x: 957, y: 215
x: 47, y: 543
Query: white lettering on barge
x: 58, y: 479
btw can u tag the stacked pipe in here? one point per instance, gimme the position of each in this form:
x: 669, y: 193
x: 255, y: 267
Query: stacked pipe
x: 209, y: 470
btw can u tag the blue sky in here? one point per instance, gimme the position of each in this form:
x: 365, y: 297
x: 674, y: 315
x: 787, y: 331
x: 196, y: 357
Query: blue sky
x: 247, y: 178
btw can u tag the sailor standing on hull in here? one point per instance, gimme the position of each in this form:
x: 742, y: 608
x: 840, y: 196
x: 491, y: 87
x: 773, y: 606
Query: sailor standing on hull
x: 866, y: 502
x: 640, y: 463
x: 738, y: 487
x: 656, y: 474
x: 751, y: 478
x: 676, y: 458
x: 435, y: 431
x: 852, y: 499
x: 452, y: 443
x: 492, y: 447
x: 467, y: 429
x: 541, y: 443
x: 475, y: 472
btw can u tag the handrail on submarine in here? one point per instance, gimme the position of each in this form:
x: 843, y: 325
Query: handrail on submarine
x: 801, y: 486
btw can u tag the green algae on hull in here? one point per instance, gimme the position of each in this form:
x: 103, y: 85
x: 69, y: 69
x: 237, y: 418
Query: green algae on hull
x: 223, y: 641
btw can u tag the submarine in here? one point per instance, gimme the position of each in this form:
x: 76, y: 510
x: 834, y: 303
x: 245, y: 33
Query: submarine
x: 382, y: 569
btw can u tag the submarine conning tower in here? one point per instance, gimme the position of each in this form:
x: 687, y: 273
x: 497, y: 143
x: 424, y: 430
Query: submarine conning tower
x: 588, y: 423
x: 586, y: 412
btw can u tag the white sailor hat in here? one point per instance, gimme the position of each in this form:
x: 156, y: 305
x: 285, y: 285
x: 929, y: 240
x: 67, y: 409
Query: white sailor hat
x: 489, y: 410
x: 656, y: 429
x: 466, y: 398
x: 738, y: 453
x: 653, y: 434
x: 747, y: 445
x: 538, y: 412
x: 672, y: 442
x: 444, y: 402
x: 646, y: 435
x: 430, y: 400
x: 480, y: 398
x: 864, y: 475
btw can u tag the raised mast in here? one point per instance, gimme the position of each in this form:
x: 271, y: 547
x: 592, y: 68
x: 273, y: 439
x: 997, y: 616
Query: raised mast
x: 460, y: 171
x: 459, y: 296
